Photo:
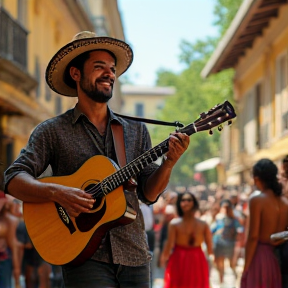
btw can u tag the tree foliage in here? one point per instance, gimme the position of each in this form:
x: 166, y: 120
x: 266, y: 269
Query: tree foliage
x: 195, y: 95
x: 225, y: 11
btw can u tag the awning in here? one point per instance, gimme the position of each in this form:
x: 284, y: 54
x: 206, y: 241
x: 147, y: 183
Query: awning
x: 207, y: 164
x: 252, y: 18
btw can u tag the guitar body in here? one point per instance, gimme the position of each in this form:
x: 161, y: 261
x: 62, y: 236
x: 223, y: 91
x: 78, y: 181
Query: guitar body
x: 61, y: 239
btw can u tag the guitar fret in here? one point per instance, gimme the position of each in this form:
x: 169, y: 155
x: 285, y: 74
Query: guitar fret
x: 112, y: 179
x: 110, y: 183
x: 117, y: 178
x: 132, y: 171
x: 121, y: 177
x: 125, y: 170
x: 125, y: 176
x: 137, y: 168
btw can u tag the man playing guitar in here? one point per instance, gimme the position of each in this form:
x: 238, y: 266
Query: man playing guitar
x: 87, y: 68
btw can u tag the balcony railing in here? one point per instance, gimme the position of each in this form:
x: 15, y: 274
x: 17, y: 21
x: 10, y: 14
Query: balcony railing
x: 13, y: 40
x: 264, y: 135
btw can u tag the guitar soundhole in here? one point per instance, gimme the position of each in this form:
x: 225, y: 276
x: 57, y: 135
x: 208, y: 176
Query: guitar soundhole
x: 90, y: 189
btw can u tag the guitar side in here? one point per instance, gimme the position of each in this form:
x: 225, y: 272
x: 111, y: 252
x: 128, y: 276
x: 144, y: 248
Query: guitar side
x: 60, y: 239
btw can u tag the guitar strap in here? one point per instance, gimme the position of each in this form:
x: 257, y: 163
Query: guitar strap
x: 151, y: 121
x: 118, y: 138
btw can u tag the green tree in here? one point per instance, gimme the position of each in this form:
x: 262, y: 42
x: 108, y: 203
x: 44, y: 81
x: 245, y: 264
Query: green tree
x: 195, y: 95
x: 225, y: 11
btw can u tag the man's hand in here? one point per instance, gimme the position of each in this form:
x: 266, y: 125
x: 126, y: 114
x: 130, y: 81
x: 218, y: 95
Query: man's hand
x: 74, y: 200
x: 178, y: 144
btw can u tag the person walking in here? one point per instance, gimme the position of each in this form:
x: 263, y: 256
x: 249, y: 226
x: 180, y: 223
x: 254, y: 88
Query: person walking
x: 10, y: 264
x: 268, y: 214
x: 187, y: 265
x: 225, y: 233
x: 87, y: 68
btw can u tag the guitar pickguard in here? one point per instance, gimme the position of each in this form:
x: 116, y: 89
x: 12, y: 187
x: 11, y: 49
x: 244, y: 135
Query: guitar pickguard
x: 86, y: 221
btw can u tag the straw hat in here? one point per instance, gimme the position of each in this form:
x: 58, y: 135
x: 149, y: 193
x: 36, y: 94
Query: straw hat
x: 83, y: 42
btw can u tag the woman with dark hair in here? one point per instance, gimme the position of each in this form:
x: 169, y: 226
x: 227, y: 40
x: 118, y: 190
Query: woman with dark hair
x: 268, y: 214
x: 187, y: 266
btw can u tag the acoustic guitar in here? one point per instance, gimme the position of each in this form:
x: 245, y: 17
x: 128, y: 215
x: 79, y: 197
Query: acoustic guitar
x: 64, y: 240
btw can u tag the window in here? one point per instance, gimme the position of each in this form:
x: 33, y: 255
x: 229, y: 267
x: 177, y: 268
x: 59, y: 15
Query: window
x: 38, y: 77
x: 139, y: 107
x: 22, y: 11
x: 58, y: 105
x: 47, y: 93
x: 282, y: 94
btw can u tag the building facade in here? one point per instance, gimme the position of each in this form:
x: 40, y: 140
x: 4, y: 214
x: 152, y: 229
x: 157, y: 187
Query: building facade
x: 31, y: 31
x: 144, y: 101
x: 256, y: 47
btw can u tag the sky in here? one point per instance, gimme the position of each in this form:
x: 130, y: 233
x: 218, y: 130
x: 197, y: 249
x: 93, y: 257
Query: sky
x: 154, y: 29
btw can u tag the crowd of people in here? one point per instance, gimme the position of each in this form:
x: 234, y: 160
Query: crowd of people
x: 193, y: 231
x: 20, y: 264
x: 241, y: 221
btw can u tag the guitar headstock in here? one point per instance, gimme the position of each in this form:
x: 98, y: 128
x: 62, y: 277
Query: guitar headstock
x: 216, y: 116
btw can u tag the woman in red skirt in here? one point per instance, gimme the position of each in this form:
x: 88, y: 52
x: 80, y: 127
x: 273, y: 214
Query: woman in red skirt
x: 187, y: 265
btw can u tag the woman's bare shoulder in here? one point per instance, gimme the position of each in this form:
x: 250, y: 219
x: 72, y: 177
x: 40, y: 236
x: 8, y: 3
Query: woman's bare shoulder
x: 176, y: 221
x: 284, y: 200
x: 203, y: 223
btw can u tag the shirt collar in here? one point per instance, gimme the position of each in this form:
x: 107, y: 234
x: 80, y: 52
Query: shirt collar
x: 77, y: 113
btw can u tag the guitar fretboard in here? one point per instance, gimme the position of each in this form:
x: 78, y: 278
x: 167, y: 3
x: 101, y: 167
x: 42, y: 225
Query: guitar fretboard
x: 136, y: 166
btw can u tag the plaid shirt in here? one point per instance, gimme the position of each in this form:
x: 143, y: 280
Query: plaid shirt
x: 64, y: 144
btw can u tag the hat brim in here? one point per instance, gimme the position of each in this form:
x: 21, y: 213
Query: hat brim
x: 57, y: 66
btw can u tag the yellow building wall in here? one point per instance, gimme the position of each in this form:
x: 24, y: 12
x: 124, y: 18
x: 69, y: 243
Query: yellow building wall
x: 50, y: 26
x: 151, y: 104
x: 259, y: 65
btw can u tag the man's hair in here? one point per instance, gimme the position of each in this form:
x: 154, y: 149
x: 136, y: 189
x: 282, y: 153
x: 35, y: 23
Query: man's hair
x: 78, y: 62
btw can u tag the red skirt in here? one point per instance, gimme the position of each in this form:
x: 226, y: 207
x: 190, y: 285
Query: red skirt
x: 187, y: 268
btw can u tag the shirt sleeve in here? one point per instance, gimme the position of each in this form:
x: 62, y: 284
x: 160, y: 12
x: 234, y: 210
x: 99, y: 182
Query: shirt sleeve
x: 34, y: 158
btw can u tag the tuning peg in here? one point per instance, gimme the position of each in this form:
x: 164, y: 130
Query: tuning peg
x: 203, y: 115
x: 229, y: 122
x: 210, y: 132
x: 220, y: 128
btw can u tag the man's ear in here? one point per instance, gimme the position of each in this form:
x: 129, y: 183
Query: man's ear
x: 75, y: 73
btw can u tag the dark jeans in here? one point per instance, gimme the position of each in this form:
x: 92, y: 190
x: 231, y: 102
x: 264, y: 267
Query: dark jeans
x: 6, y: 273
x: 94, y: 274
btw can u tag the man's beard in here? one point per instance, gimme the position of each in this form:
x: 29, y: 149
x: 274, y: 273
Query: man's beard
x: 94, y: 93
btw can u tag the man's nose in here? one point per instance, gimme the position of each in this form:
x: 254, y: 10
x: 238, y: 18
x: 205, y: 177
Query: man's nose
x: 108, y: 71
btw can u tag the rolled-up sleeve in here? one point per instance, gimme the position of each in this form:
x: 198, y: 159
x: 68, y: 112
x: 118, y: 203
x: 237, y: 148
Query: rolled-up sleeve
x: 33, y: 159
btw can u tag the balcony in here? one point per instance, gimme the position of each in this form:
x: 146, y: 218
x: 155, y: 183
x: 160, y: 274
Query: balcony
x: 13, y: 53
x: 13, y: 40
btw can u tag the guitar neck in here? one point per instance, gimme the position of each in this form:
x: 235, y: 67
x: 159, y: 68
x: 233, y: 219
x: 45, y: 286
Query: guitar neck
x: 136, y: 166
